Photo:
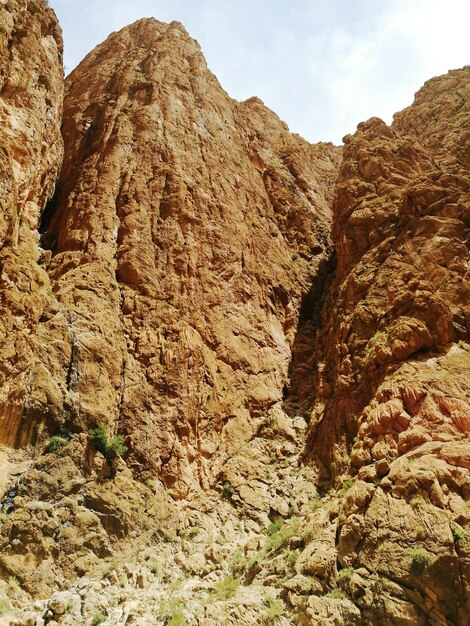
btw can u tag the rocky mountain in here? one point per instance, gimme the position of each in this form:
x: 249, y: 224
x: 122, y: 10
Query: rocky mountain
x: 234, y: 365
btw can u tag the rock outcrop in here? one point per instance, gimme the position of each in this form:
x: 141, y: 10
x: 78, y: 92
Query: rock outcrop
x: 392, y: 396
x: 275, y: 333
x: 31, y: 92
x: 185, y: 231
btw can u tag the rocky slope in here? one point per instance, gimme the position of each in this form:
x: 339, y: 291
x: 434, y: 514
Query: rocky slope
x: 296, y: 416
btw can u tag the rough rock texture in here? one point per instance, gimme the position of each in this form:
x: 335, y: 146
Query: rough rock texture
x: 180, y: 245
x: 185, y: 232
x: 31, y: 90
x: 393, y: 395
x: 185, y: 294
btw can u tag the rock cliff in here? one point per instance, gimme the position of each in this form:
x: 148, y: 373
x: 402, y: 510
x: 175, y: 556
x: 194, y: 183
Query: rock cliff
x: 392, y: 391
x: 186, y: 228
x: 31, y: 92
x: 272, y: 334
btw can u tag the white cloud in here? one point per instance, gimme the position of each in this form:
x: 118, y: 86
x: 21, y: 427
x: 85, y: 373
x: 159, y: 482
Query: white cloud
x: 322, y: 65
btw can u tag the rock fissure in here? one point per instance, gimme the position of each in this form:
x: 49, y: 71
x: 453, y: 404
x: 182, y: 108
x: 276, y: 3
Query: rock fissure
x: 279, y: 330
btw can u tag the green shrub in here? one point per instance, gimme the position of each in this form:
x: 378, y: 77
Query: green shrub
x: 336, y: 594
x: 275, y: 526
x: 112, y: 449
x: 5, y: 605
x: 419, y: 557
x: 109, y: 448
x: 116, y: 447
x: 98, y: 619
x: 228, y: 490
x: 460, y: 535
x: 172, y: 612
x: 99, y: 438
x: 275, y: 607
x: 54, y: 444
x: 225, y: 588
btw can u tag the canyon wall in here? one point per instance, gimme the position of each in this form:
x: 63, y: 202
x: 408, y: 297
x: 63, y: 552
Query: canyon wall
x: 393, y: 370
x: 277, y: 330
x: 185, y: 231
x: 31, y: 92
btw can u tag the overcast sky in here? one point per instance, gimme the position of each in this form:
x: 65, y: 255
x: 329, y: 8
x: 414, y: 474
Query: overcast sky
x: 322, y: 65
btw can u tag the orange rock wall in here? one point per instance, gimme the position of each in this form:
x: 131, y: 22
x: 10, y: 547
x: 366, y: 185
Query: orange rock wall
x: 31, y: 92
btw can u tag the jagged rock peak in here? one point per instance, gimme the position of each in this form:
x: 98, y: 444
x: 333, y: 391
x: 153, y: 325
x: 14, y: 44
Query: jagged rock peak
x: 184, y: 234
x: 140, y: 42
x: 183, y: 294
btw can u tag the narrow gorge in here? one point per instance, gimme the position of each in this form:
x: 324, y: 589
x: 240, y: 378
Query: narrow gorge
x: 234, y: 365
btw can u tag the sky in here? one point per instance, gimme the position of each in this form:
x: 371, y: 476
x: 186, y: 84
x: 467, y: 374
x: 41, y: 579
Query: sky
x: 322, y: 65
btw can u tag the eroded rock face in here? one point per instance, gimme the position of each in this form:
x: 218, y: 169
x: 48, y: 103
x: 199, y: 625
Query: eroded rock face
x: 187, y: 229
x: 31, y: 92
x: 175, y: 296
x: 175, y: 258
x: 393, y: 372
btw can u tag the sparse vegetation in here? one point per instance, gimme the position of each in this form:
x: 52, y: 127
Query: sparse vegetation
x: 13, y: 584
x: 237, y: 558
x: 98, y: 619
x: 280, y: 538
x: 55, y: 443
x: 228, y: 490
x: 156, y: 569
x: 346, y: 573
x: 275, y: 526
x: 315, y: 503
x: 275, y: 607
x: 172, y: 612
x: 416, y: 501
x: 460, y: 535
x: 5, y: 605
x: 112, y: 449
x: 420, y: 531
x: 192, y: 532
x: 291, y: 558
x: 336, y: 594
x: 419, y: 557
x: 221, y: 540
x: 225, y: 588
x: 309, y: 532
x: 111, y: 566
x: 345, y: 487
